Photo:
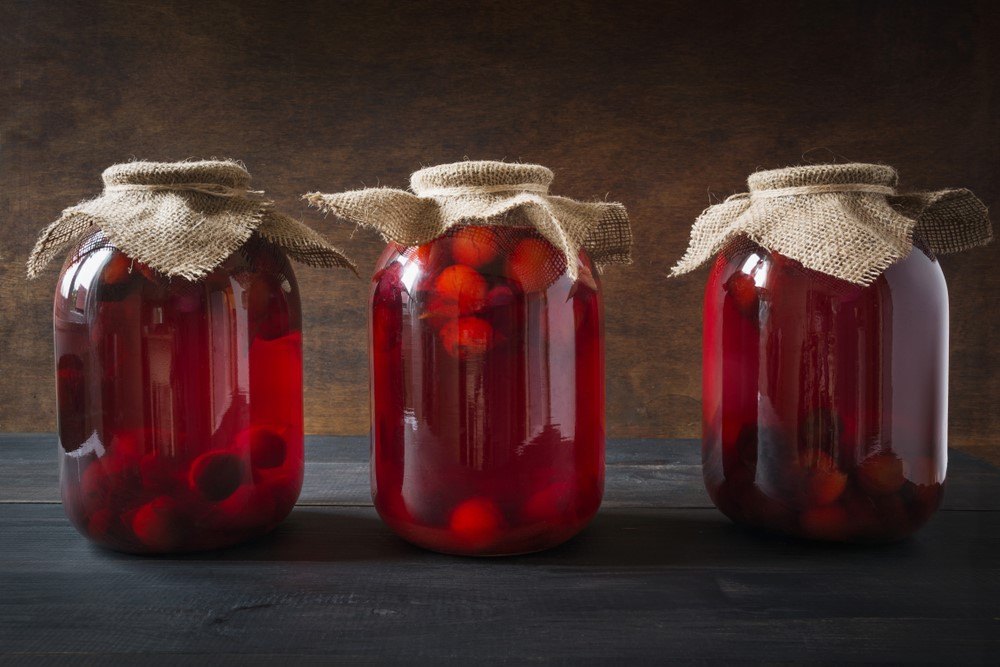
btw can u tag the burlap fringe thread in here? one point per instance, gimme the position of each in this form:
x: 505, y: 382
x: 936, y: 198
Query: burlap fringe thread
x: 844, y: 220
x: 183, y: 219
x: 487, y: 193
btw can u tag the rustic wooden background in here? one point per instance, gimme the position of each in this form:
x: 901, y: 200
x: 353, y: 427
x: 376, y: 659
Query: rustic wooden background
x: 661, y: 105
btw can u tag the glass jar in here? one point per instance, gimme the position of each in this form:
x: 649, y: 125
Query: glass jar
x: 825, y: 402
x: 179, y: 402
x: 487, y: 392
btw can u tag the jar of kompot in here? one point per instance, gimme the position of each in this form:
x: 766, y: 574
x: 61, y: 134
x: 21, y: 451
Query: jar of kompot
x: 825, y: 360
x: 178, y: 350
x: 487, y: 362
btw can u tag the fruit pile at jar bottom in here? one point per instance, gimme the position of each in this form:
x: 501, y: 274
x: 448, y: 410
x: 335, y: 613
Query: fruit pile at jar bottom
x: 489, y: 521
x: 810, y: 494
x: 487, y: 401
x: 144, y: 499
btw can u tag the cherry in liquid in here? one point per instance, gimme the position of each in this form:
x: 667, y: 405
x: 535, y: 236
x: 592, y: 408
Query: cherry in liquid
x: 179, y: 402
x: 487, y: 392
x: 825, y: 403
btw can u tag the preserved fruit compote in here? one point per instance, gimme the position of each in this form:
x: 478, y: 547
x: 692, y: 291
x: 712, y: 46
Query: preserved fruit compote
x: 178, y: 376
x: 825, y: 359
x: 487, y: 361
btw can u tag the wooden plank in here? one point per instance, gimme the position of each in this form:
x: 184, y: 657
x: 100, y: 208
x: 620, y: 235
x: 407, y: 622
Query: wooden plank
x: 640, y: 473
x: 638, y: 585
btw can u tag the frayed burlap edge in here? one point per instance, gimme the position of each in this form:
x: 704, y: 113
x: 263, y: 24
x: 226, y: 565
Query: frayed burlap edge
x: 146, y: 212
x: 490, y: 194
x: 853, y: 235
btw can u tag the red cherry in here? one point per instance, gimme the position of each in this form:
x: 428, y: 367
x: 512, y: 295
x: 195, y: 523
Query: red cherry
x: 428, y: 255
x: 825, y: 486
x: 881, y: 474
x: 463, y: 286
x: 466, y: 337
x: 440, y: 310
x: 155, y: 472
x: 118, y: 270
x: 159, y: 524
x: 499, y: 297
x: 284, y: 489
x: 741, y: 289
x: 535, y: 264
x: 474, y: 246
x: 267, y: 448
x: 127, y: 445
x: 476, y: 522
x: 216, y: 475
x: 829, y: 522
x: 553, y: 505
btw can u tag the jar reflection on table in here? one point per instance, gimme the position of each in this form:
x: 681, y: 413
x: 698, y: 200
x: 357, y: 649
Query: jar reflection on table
x: 487, y: 392
x: 825, y: 403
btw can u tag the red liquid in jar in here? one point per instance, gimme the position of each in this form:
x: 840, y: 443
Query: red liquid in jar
x: 179, y: 402
x: 487, y: 393
x: 825, y: 403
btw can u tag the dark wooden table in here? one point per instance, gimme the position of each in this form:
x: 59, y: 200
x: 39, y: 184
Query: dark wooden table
x: 659, y: 575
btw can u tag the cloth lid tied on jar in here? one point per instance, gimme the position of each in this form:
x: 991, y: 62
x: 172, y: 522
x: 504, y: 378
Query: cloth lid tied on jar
x: 182, y: 218
x: 487, y: 193
x: 844, y: 220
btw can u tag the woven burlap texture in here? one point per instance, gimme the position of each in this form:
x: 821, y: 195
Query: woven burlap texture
x: 487, y: 193
x: 844, y: 220
x: 182, y: 219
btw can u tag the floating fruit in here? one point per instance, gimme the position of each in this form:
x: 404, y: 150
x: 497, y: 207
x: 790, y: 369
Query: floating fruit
x: 160, y: 524
x: 553, y: 505
x: 463, y: 287
x: 474, y: 246
x: 824, y: 486
x: 476, y: 522
x: 881, y: 474
x: 535, y: 264
x: 267, y: 449
x: 216, y: 475
x: 741, y: 289
x: 466, y: 337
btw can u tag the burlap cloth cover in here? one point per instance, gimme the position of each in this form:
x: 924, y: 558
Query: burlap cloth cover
x: 487, y: 193
x: 845, y: 220
x: 182, y: 219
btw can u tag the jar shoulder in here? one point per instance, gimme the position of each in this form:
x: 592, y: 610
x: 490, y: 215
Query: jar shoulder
x: 95, y: 270
x: 746, y: 266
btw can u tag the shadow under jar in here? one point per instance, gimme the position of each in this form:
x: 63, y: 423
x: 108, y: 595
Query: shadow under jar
x: 487, y: 369
x: 825, y: 402
x: 179, y: 402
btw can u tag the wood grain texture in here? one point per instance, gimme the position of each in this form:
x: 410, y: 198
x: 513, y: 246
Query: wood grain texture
x: 640, y: 473
x: 653, y: 578
x: 662, y: 105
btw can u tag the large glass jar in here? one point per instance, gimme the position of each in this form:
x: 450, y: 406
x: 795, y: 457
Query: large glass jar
x: 179, y: 402
x: 487, y: 392
x: 825, y: 402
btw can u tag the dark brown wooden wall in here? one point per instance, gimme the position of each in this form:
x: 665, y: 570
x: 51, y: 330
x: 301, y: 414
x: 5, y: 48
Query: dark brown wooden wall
x: 661, y: 105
